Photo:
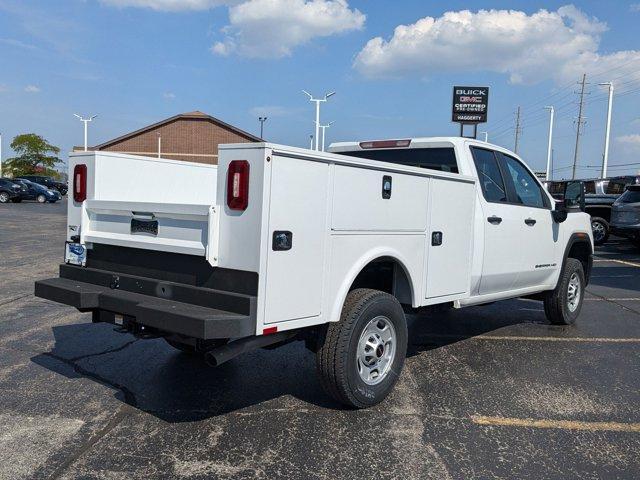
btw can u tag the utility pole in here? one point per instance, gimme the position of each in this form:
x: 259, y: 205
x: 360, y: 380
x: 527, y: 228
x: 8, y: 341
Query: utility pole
x: 159, y: 145
x: 605, y: 156
x: 552, y: 112
x: 579, y: 128
x: 310, y: 142
x: 324, y: 129
x: 86, y: 127
x: 518, y: 130
x: 318, y: 101
x: 262, y: 120
x: 0, y: 154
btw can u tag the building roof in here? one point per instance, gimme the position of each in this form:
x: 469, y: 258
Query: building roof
x: 181, y: 116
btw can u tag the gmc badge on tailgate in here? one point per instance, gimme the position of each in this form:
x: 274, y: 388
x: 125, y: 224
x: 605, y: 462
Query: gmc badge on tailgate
x: 149, y: 227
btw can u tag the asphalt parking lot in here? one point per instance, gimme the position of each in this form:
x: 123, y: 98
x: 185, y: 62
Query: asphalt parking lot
x: 487, y: 392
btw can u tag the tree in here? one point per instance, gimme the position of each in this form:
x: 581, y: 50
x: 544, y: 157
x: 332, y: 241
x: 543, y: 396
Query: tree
x: 34, y: 155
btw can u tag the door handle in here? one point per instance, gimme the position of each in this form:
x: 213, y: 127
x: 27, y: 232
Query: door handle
x: 530, y: 221
x: 494, y: 220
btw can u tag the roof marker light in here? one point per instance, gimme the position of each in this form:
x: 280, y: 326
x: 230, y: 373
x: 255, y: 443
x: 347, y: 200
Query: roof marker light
x: 385, y: 144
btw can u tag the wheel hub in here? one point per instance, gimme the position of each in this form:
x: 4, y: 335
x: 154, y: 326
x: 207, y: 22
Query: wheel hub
x: 376, y: 350
x: 573, y: 292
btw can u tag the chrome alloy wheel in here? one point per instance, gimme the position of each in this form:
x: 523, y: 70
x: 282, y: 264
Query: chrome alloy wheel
x: 599, y: 231
x: 376, y: 350
x: 573, y: 292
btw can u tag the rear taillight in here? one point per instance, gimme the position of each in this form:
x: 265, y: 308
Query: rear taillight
x: 80, y: 183
x: 238, y: 185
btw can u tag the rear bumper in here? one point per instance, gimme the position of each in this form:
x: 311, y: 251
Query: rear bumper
x: 166, y: 307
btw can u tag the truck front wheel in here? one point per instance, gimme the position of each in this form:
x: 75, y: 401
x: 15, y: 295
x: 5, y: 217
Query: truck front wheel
x: 362, y: 355
x: 562, y: 305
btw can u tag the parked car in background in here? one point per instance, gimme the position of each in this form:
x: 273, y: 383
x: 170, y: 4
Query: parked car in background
x: 617, y: 185
x: 597, y: 204
x: 37, y: 192
x: 625, y: 215
x: 47, y: 182
x: 9, y: 191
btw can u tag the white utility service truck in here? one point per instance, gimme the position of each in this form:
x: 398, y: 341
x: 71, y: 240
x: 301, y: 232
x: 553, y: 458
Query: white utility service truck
x: 279, y: 243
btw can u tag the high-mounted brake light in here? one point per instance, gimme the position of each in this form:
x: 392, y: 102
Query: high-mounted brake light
x: 80, y: 183
x: 385, y: 144
x: 238, y: 185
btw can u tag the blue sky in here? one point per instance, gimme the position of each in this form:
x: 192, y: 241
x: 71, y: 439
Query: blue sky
x: 134, y: 62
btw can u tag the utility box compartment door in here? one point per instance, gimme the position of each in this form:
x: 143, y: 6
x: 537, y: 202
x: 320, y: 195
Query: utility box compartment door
x: 450, y: 238
x: 297, y: 214
x: 373, y: 200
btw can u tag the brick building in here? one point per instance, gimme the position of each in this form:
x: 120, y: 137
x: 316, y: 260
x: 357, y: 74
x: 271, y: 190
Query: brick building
x: 192, y: 136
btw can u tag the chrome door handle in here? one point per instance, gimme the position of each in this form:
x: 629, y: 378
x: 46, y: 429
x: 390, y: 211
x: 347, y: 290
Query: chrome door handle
x: 494, y: 220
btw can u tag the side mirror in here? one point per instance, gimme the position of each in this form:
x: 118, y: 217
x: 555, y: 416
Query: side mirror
x: 574, y: 193
x: 559, y: 213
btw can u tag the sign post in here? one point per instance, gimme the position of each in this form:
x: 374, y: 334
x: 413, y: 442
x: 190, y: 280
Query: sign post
x: 470, y: 107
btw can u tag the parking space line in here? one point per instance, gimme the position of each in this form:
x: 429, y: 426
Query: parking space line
x: 557, y: 424
x: 623, y: 262
x: 631, y: 299
x: 559, y: 339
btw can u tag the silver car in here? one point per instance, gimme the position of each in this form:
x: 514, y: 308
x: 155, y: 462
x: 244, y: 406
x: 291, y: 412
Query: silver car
x: 625, y: 215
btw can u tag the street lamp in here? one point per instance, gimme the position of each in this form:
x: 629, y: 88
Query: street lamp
x: 324, y: 127
x: 318, y: 102
x: 262, y: 120
x: 86, y: 126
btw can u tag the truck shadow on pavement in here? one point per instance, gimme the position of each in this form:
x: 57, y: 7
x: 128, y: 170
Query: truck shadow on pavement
x: 153, y: 377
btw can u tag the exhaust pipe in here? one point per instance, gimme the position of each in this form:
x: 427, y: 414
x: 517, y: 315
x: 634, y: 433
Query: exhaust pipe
x: 224, y: 353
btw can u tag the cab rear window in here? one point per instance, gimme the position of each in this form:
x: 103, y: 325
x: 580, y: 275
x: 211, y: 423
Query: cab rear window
x: 441, y: 159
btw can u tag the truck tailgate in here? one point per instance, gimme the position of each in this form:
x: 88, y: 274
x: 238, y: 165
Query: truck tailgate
x: 179, y: 228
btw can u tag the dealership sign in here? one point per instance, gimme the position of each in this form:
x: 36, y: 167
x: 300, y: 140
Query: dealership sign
x: 470, y: 104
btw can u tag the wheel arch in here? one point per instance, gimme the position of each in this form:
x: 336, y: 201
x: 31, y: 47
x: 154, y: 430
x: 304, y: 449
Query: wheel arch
x: 579, y: 247
x: 404, y: 286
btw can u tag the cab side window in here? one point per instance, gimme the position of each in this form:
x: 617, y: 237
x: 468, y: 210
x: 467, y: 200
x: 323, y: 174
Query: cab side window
x: 526, y: 189
x: 489, y: 175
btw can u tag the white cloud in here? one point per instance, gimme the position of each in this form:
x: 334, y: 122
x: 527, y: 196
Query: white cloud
x: 169, y: 95
x: 273, y: 28
x: 168, y: 5
x: 634, y: 7
x: 31, y: 89
x: 630, y: 143
x: 528, y: 48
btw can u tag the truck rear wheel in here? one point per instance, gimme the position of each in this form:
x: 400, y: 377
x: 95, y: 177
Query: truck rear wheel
x: 600, y: 229
x: 362, y: 355
x: 562, y: 305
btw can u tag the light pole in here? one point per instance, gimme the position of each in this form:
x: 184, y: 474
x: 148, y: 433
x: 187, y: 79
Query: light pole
x: 0, y: 154
x: 552, y: 113
x: 324, y: 128
x: 605, y: 156
x: 310, y: 142
x: 486, y: 136
x: 262, y: 120
x: 159, y: 145
x: 318, y: 102
x: 86, y: 127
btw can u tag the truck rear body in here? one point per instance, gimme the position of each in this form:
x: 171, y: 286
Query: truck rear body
x: 169, y: 247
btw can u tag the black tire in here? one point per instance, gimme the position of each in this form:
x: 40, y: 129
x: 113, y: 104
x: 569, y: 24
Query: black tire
x: 600, y: 227
x: 557, y: 302
x: 41, y: 198
x: 4, y: 197
x: 337, y: 359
